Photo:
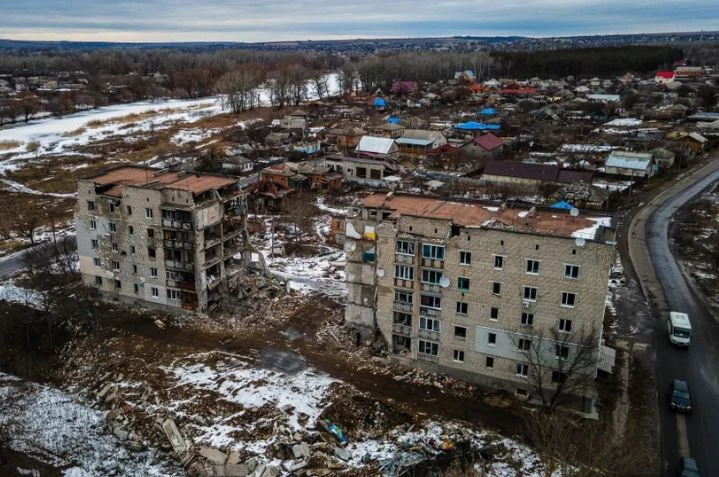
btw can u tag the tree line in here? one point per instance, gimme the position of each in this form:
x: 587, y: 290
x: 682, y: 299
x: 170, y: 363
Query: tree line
x: 122, y: 75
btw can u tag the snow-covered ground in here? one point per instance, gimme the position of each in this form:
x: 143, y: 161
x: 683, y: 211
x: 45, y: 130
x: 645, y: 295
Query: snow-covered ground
x: 26, y: 296
x: 56, y: 428
x: 589, y: 233
x: 322, y: 271
x: 57, y: 136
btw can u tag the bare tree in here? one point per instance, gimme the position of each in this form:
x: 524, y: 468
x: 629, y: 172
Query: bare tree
x: 571, y: 448
x: 300, y: 211
x: 28, y: 104
x: 561, y: 364
x: 238, y: 88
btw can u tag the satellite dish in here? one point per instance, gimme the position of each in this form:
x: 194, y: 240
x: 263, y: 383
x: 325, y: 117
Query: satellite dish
x: 574, y: 212
x: 444, y: 282
x: 350, y: 246
x: 380, y: 272
x: 580, y: 242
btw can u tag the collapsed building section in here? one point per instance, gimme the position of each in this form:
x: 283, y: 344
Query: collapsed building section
x: 160, y: 237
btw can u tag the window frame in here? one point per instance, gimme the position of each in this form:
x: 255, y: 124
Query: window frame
x: 429, y: 273
x: 149, y: 214
x: 533, y: 296
x: 571, y: 267
x: 465, y: 258
x: 459, y: 306
x: 433, y: 347
x: 524, y: 344
x: 154, y: 292
x: 409, y: 245
x: 434, y: 298
x: 489, y: 362
x: 463, y: 281
x: 533, y: 261
x: 498, y: 287
x: 565, y: 299
x: 564, y: 325
x: 407, y: 269
x: 455, y: 328
x: 522, y: 370
x: 434, y: 249
x: 500, y: 259
x: 434, y: 323
x: 405, y: 294
x: 528, y: 317
x: 491, y: 339
x: 458, y: 355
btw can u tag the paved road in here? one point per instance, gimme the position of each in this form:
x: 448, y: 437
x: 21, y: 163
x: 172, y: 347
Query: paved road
x: 663, y: 282
x: 13, y: 264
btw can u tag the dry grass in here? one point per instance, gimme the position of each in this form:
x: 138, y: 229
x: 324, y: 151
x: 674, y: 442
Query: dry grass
x: 5, y: 145
x: 32, y: 146
x: 74, y: 133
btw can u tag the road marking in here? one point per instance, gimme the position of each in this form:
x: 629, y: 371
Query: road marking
x: 682, y: 434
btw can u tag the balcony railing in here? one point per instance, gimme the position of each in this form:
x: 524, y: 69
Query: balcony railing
x: 401, y: 258
x: 431, y: 287
x: 401, y: 329
x: 432, y: 335
x: 176, y: 224
x: 178, y: 265
x: 187, y: 286
x: 427, y: 357
x: 431, y: 263
x: 401, y: 283
x: 402, y: 306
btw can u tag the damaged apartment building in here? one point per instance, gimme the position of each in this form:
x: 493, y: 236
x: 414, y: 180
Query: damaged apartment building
x: 479, y: 292
x: 159, y: 237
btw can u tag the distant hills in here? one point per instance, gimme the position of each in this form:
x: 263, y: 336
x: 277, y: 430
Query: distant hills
x: 503, y: 42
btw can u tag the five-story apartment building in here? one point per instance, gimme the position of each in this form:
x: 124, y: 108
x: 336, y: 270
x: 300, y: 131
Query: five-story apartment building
x: 495, y: 295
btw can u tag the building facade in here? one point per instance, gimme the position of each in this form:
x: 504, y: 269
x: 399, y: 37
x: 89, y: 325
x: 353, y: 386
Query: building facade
x: 480, y: 292
x: 159, y: 237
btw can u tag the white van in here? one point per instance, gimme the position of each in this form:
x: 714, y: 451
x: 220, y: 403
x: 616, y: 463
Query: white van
x: 679, y: 328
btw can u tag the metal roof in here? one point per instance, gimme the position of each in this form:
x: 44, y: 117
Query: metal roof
x: 414, y: 142
x: 629, y: 160
x: 376, y: 145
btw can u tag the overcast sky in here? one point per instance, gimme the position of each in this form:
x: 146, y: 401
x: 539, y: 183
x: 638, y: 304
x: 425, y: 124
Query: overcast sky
x: 276, y: 20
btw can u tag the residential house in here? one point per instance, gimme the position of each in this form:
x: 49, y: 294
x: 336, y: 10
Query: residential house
x: 630, y: 164
x: 694, y: 141
x: 531, y: 175
x: 400, y: 88
x: 485, y: 145
x: 347, y: 138
x: 388, y: 129
x: 664, y: 77
x: 361, y: 170
x: 377, y: 147
x: 466, y: 289
x: 687, y: 71
x: 282, y: 176
x: 161, y: 238
x: 237, y: 164
x: 420, y: 141
x: 663, y: 157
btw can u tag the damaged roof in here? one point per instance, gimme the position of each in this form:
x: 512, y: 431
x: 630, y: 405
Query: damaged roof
x: 158, y: 179
x: 477, y: 214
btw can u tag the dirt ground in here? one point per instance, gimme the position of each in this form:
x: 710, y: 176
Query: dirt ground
x: 141, y: 340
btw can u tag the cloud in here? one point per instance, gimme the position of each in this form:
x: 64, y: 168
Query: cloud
x: 274, y: 20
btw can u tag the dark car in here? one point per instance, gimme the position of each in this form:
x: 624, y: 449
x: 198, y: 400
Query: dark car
x: 679, y: 398
x: 688, y: 467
